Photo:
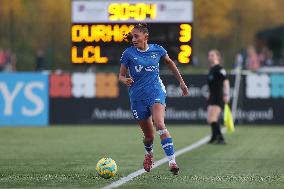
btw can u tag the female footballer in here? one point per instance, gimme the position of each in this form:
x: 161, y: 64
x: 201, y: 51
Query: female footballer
x: 219, y: 89
x: 139, y: 71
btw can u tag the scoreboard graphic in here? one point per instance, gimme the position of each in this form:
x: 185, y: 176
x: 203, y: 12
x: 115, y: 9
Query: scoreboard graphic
x: 98, y: 28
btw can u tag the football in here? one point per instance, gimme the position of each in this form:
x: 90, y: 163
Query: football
x: 106, y: 168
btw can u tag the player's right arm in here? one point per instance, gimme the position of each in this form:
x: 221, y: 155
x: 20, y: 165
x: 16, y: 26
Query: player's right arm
x: 122, y: 76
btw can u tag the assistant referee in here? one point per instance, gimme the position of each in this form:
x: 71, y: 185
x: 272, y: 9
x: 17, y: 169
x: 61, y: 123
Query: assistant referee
x: 219, y: 89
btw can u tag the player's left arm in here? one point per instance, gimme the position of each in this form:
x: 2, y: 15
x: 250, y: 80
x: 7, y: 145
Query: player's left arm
x: 226, y: 85
x: 226, y: 91
x: 172, y: 66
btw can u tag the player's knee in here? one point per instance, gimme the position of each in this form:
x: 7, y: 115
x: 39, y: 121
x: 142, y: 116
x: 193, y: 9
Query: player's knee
x: 160, y: 125
x: 211, y: 118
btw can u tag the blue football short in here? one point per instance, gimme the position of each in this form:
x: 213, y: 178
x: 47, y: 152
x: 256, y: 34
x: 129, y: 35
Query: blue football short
x: 141, y: 110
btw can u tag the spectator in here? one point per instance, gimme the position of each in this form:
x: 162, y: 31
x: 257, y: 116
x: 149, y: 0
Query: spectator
x: 239, y: 60
x: 2, y: 59
x: 252, y: 61
x: 265, y: 57
x: 8, y: 61
x: 39, y: 60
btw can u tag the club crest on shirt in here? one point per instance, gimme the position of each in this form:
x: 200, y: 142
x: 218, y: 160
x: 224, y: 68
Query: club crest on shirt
x: 154, y: 55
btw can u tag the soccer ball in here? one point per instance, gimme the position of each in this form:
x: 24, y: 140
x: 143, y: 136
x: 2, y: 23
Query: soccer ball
x: 106, y: 168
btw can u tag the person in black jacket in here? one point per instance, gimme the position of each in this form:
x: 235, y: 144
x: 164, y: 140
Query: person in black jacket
x: 219, y: 89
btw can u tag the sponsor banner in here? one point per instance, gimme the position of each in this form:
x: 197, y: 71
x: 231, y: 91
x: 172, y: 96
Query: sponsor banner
x: 87, y: 111
x: 261, y: 99
x: 265, y: 86
x: 23, y: 99
x: 111, y: 105
x: 116, y: 108
x: 83, y: 85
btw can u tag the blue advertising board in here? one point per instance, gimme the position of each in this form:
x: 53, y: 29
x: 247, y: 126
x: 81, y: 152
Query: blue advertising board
x: 24, y: 99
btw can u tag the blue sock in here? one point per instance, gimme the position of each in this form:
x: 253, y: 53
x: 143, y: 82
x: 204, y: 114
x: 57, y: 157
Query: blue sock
x: 168, y: 147
x: 149, y: 148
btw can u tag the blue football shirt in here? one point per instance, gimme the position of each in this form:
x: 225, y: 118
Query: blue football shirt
x: 143, y: 67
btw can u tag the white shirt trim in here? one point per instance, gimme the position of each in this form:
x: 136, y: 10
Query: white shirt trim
x: 142, y: 50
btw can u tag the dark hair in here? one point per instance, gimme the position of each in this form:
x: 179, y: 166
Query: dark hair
x: 142, y: 27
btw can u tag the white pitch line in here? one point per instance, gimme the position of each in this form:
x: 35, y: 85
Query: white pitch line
x: 158, y: 163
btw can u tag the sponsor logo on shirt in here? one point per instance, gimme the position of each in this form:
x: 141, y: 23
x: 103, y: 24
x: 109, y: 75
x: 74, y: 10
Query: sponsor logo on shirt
x: 147, y: 68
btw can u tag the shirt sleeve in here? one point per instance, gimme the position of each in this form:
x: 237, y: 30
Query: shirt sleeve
x: 124, y: 60
x: 163, y: 51
x: 223, y: 74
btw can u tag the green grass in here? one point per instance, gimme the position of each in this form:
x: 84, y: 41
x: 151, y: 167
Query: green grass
x: 65, y: 157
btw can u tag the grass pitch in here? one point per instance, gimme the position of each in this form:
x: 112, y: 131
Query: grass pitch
x: 65, y: 157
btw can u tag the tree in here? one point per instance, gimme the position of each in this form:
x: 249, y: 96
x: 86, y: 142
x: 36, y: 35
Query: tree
x: 212, y: 18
